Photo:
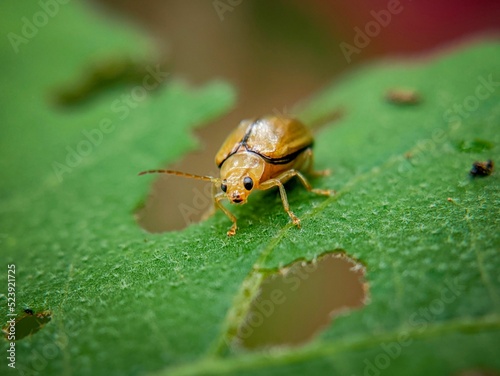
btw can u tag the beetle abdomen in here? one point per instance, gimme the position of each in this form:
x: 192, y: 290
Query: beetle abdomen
x: 277, y: 140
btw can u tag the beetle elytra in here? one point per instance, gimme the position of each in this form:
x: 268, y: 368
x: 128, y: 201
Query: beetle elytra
x: 260, y: 154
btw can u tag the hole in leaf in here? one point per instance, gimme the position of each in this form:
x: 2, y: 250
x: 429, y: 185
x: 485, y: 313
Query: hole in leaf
x: 299, y: 300
x: 28, y: 324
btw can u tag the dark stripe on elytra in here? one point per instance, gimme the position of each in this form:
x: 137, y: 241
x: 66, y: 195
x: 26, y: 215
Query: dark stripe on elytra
x: 243, y: 142
x: 282, y: 160
x: 247, y: 135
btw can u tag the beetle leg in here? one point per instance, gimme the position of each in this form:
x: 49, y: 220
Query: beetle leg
x: 287, y: 175
x: 309, y: 157
x: 217, y: 199
x: 324, y: 192
x: 277, y: 183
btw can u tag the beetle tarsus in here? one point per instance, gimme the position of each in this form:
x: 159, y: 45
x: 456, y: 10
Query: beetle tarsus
x: 295, y: 219
x: 320, y: 173
x: 232, y: 230
x: 324, y: 192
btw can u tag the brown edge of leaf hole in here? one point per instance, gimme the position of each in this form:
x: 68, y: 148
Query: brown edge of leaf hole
x: 40, y: 320
x: 351, y: 264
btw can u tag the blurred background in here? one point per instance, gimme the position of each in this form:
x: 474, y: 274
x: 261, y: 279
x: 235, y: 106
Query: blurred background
x: 278, y: 53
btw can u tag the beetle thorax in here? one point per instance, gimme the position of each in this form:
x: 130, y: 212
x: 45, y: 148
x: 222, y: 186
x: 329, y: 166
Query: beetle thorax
x: 238, y: 171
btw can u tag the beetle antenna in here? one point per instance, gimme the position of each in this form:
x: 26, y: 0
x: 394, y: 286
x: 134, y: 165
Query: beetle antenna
x: 180, y: 173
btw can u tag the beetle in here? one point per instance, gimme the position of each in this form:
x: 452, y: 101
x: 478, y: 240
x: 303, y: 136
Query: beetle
x: 260, y: 154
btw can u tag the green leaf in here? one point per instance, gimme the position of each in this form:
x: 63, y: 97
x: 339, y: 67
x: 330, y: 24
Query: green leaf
x: 126, y: 302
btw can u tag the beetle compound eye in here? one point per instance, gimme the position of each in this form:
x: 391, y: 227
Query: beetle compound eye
x: 223, y: 187
x: 248, y: 183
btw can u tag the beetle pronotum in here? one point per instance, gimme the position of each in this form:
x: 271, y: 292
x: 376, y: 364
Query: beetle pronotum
x: 260, y: 154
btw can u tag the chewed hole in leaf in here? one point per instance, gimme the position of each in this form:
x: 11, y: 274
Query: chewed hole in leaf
x: 28, y: 324
x: 297, y: 301
x: 175, y: 202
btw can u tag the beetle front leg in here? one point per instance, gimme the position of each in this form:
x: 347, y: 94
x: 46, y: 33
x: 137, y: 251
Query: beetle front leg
x: 277, y: 183
x: 217, y: 199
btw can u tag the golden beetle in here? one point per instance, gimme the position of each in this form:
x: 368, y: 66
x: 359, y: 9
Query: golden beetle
x: 260, y: 154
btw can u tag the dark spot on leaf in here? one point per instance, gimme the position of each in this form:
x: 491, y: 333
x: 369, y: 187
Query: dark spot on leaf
x: 28, y: 324
x: 402, y: 96
x: 299, y: 300
x: 475, y: 146
x: 482, y: 169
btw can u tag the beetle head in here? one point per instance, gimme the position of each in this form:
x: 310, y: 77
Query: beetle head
x: 240, y: 174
